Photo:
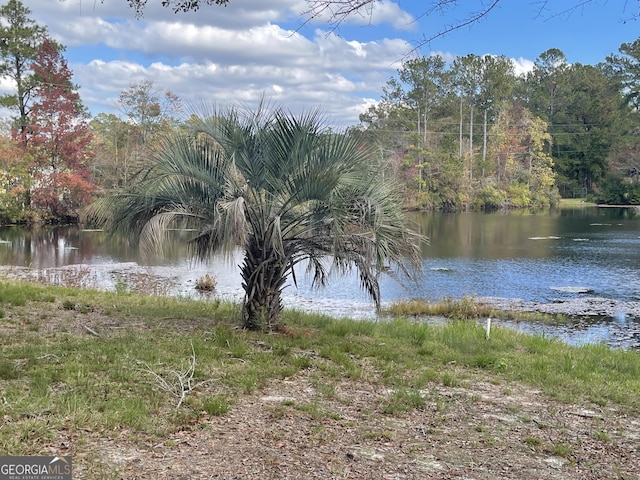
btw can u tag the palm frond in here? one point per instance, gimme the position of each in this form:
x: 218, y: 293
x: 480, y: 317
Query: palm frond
x: 153, y: 234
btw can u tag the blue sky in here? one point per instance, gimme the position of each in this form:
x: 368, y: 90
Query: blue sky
x: 523, y: 29
x: 520, y: 29
x: 255, y: 48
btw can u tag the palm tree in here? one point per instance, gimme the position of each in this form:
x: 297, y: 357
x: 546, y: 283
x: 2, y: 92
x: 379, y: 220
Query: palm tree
x: 280, y: 187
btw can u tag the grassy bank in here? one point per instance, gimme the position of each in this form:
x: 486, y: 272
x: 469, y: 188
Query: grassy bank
x: 466, y: 308
x: 576, y: 202
x: 111, y: 365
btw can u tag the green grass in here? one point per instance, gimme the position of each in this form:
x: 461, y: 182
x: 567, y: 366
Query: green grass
x: 56, y: 376
x: 403, y: 400
x: 575, y: 202
x: 467, y: 308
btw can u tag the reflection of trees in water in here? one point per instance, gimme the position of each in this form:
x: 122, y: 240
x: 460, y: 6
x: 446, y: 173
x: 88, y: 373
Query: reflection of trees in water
x: 486, y: 235
x: 119, y: 278
x: 609, y: 213
x: 43, y: 247
x: 57, y: 246
x: 509, y: 235
x: 480, y: 235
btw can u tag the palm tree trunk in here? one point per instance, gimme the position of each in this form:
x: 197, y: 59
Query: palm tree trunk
x: 263, y: 278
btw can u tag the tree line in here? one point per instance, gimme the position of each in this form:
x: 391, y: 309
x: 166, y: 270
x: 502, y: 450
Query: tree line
x: 470, y: 134
x: 473, y: 134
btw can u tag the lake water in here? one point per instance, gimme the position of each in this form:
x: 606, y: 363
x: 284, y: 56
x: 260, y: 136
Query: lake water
x: 568, y: 258
x: 533, y: 257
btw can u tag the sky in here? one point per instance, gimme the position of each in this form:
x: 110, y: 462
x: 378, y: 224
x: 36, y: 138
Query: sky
x: 253, y: 49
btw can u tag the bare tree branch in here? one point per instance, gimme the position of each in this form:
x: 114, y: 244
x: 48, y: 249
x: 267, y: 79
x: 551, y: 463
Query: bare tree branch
x: 178, y: 383
x: 470, y: 20
x: 337, y: 12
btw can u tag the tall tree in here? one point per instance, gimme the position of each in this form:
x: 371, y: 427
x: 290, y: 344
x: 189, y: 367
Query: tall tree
x: 14, y: 182
x: 523, y: 169
x: 58, y: 137
x: 626, y: 68
x: 20, y: 40
x: 424, y: 83
x: 149, y: 112
x: 384, y: 126
x: 111, y: 144
x: 588, y: 126
x: 496, y: 86
x: 281, y: 188
x: 147, y: 107
x: 420, y: 87
x: 548, y: 85
x: 436, y: 95
x: 468, y: 72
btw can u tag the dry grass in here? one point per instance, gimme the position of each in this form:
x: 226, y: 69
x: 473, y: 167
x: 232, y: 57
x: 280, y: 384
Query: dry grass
x: 323, y: 399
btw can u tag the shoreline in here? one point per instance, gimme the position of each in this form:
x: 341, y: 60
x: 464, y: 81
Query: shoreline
x: 592, y: 319
x: 586, y: 306
x: 157, y: 281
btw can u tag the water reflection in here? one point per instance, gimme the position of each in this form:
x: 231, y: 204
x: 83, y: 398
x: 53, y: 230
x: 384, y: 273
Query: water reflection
x: 531, y: 256
x: 586, y: 330
x: 58, y: 246
x: 550, y: 257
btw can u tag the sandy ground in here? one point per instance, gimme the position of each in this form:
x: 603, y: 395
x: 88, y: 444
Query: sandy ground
x: 475, y: 431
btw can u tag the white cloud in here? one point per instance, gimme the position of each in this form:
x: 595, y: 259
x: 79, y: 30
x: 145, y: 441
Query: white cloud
x: 7, y: 86
x: 448, y: 57
x: 237, y: 15
x: 522, y: 65
x: 374, y: 13
x: 390, y: 12
x: 241, y: 52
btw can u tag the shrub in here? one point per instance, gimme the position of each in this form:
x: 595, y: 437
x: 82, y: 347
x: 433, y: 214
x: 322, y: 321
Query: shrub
x: 519, y: 195
x: 488, y: 198
x: 620, y: 191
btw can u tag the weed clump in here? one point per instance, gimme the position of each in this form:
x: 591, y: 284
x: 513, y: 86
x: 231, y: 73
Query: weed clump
x: 206, y: 283
x: 466, y: 308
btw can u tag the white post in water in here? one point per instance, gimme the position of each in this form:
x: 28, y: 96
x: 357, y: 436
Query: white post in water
x: 488, y: 327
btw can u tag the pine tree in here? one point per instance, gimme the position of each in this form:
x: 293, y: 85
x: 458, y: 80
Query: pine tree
x: 20, y: 40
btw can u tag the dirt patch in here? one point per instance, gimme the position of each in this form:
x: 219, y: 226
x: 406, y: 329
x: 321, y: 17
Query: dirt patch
x: 476, y: 431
